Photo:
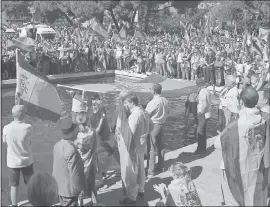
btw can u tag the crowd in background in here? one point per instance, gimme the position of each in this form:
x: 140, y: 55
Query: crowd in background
x: 213, y: 56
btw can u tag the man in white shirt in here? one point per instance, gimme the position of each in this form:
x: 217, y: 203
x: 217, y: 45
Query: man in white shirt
x: 179, y: 62
x: 158, y: 109
x: 118, y: 56
x: 204, y: 113
x: 139, y: 123
x: 19, y: 153
x: 229, y: 104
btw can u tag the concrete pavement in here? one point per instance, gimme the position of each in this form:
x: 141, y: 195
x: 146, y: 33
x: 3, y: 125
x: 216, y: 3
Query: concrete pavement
x: 205, y: 174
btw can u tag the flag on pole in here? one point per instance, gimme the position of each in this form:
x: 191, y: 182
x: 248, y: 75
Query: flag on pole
x: 264, y: 34
x: 123, y: 32
x: 207, y: 27
x: 136, y: 19
x: 97, y: 27
x: 37, y: 15
x: 256, y: 48
x: 187, y: 38
x: 182, y: 24
x: 110, y: 28
x: 35, y: 92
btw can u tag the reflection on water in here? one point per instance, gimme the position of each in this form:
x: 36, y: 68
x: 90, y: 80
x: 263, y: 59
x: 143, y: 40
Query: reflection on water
x: 46, y: 133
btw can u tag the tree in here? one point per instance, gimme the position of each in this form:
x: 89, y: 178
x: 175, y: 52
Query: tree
x: 16, y: 9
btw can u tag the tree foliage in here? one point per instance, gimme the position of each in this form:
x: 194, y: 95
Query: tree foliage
x: 152, y: 14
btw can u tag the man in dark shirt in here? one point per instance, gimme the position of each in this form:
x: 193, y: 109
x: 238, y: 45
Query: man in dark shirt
x: 210, y: 73
x: 68, y: 167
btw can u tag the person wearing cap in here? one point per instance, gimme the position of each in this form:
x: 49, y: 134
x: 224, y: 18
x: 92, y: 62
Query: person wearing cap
x: 203, y: 115
x: 158, y: 109
x: 68, y: 167
x: 243, y: 143
x: 17, y: 136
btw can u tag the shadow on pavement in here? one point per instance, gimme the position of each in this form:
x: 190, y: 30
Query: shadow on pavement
x: 187, y: 157
x: 112, y: 197
x: 196, y: 171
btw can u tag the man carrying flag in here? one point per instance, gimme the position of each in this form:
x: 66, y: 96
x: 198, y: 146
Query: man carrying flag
x: 243, y: 148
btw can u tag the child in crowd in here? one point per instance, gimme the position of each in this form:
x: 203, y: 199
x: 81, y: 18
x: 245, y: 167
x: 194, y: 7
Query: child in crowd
x: 181, y: 191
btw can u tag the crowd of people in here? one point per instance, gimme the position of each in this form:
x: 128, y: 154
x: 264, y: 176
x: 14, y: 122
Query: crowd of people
x: 138, y: 131
x: 213, y: 57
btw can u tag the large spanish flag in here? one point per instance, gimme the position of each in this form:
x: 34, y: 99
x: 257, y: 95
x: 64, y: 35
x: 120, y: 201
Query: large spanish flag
x: 36, y: 93
x: 242, y: 152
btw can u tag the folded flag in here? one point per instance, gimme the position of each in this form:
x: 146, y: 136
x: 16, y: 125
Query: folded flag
x: 36, y: 93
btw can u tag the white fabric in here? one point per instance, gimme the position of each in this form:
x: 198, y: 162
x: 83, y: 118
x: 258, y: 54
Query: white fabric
x: 17, y: 135
x: 158, y: 109
x: 230, y: 100
x: 78, y: 106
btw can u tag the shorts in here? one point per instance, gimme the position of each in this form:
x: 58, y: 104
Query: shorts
x: 14, y: 175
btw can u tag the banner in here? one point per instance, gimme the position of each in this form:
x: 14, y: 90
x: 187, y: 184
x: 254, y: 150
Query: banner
x: 35, y: 92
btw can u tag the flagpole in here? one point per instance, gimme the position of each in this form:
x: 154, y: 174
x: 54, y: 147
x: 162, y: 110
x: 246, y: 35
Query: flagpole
x: 17, y: 92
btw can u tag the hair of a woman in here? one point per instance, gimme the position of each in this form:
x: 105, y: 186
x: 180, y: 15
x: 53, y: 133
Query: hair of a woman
x: 42, y: 190
x: 180, y: 170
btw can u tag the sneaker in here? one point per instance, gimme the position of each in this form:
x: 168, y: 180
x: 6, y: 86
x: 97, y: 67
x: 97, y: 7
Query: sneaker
x: 140, y: 195
x: 127, y: 201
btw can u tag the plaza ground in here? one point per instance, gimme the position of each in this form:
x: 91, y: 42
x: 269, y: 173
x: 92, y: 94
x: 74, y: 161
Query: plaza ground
x: 206, y: 173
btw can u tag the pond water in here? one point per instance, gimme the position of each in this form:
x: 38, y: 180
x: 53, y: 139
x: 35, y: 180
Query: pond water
x: 46, y: 133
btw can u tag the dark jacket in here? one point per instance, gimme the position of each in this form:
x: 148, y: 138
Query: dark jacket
x: 68, y: 169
